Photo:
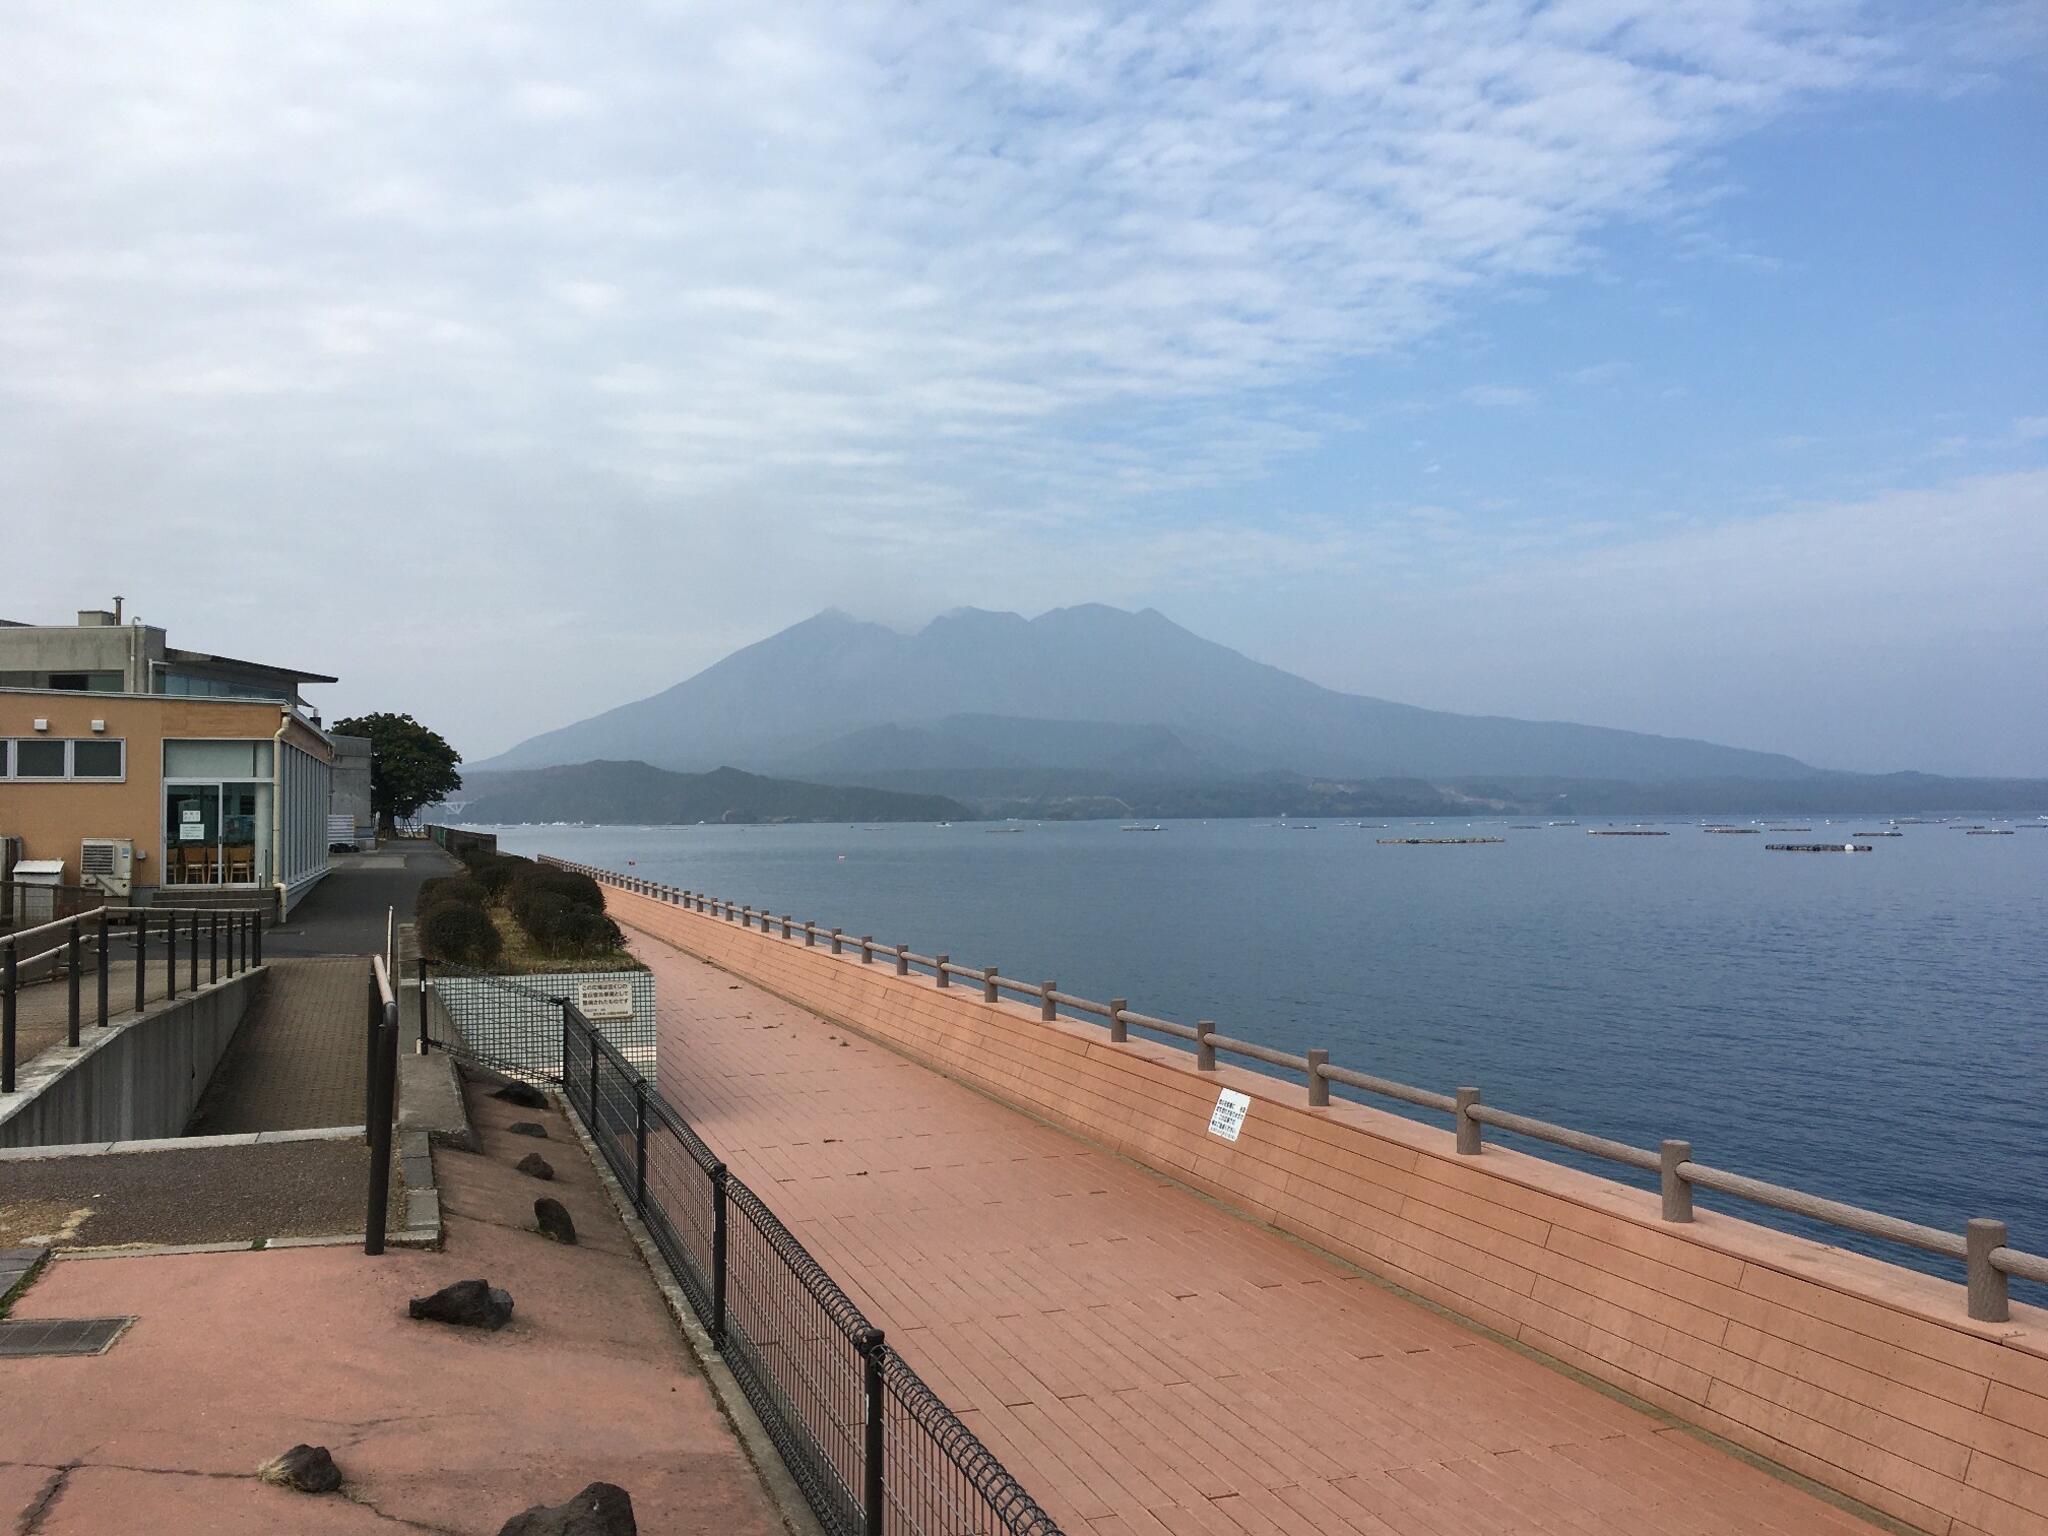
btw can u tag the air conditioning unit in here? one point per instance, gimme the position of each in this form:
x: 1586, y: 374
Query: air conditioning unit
x: 109, y: 863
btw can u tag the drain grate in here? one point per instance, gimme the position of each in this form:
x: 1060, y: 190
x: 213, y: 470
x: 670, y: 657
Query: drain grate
x: 21, y: 1338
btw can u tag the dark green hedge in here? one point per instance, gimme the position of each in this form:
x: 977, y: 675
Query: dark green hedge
x: 457, y: 932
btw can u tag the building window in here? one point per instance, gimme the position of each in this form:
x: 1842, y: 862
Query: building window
x: 40, y: 757
x: 96, y: 759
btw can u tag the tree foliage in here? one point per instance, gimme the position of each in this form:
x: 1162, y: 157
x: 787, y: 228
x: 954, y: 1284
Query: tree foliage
x: 410, y: 765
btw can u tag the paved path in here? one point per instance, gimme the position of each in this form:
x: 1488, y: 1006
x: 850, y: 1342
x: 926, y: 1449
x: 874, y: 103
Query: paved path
x: 345, y: 913
x: 1142, y: 1359
x: 235, y: 1357
x: 296, y: 1063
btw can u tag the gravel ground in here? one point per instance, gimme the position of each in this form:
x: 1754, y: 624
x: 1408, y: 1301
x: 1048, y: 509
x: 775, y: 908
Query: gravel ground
x: 193, y: 1195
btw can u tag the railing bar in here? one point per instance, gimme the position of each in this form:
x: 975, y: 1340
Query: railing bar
x: 1257, y: 1052
x: 1387, y: 1088
x: 1852, y: 1217
x: 1565, y: 1136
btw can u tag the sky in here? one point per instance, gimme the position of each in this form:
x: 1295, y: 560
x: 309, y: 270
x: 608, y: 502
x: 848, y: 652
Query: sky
x: 1680, y: 365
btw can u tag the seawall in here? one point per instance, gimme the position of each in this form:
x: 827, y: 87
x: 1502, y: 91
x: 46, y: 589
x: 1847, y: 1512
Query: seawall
x: 1866, y: 1377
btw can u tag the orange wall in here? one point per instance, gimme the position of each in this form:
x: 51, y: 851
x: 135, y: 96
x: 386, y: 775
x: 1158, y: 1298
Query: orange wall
x: 1868, y: 1378
x: 53, y: 819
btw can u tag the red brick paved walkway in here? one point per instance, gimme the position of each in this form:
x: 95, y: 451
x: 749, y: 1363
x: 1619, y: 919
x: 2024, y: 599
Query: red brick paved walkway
x: 1142, y: 1359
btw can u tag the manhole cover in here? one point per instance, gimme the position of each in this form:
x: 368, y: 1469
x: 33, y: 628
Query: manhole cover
x: 22, y: 1337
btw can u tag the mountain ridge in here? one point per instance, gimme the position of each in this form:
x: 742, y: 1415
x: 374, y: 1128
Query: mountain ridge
x: 783, y: 702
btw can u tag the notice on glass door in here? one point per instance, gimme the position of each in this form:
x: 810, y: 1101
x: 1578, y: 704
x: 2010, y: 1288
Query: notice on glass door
x: 1228, y: 1119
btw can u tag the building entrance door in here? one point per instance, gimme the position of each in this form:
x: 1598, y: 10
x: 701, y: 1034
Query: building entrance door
x: 192, y: 831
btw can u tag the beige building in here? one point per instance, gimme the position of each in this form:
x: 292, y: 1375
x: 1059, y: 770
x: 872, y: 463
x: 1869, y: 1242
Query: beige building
x: 159, y: 774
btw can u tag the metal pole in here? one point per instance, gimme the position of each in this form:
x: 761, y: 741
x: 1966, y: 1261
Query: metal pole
x: 871, y: 1484
x: 1677, y: 1188
x: 106, y: 974
x: 426, y: 1040
x: 639, y: 1143
x: 718, y: 1205
x: 194, y: 976
x: 385, y: 1076
x: 1989, y: 1302
x: 171, y: 955
x: 370, y: 1061
x: 256, y: 933
x: 73, y: 960
x: 141, y: 960
x: 7, y: 982
x: 213, y: 947
x: 1468, y: 1128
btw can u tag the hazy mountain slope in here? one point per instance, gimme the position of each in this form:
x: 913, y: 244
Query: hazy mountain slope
x: 636, y: 793
x: 832, y: 677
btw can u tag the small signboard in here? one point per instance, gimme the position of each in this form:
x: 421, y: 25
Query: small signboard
x: 191, y: 832
x: 605, y: 999
x: 1228, y: 1120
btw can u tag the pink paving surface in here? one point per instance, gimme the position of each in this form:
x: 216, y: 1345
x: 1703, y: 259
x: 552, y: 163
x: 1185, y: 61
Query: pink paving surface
x: 1142, y: 1359
x: 235, y: 1357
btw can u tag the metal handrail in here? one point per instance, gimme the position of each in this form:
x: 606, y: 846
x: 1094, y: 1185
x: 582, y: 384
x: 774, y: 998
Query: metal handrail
x: 1983, y: 1248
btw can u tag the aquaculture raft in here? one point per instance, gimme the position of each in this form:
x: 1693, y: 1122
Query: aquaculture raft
x: 1626, y: 832
x: 1433, y: 842
x: 1818, y: 848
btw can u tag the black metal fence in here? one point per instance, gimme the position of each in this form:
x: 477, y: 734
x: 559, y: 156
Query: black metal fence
x: 164, y: 949
x: 873, y: 1448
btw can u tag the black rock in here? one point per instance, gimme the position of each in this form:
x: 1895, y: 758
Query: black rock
x: 466, y: 1304
x: 533, y: 1165
x: 551, y: 1219
x: 602, y: 1509
x: 528, y: 1128
x: 525, y: 1095
x: 308, y: 1468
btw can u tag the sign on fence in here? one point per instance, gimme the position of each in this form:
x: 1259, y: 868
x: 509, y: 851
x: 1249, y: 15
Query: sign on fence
x: 605, y: 999
x: 1228, y: 1119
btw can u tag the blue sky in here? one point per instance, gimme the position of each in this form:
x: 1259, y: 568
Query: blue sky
x: 1672, y: 366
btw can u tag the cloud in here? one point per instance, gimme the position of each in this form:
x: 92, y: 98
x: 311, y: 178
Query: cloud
x: 784, y: 303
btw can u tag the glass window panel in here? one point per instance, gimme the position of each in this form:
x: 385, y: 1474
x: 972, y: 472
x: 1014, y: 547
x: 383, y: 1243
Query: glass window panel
x: 96, y: 759
x: 39, y: 759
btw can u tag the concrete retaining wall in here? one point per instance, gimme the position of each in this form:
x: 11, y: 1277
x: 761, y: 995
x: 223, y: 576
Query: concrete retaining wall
x: 1868, y: 1378
x: 135, y: 1081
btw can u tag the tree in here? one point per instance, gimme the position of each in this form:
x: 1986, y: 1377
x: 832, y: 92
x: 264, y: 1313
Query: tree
x: 410, y: 766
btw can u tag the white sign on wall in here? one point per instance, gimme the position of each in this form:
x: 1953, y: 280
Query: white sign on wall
x: 1228, y: 1120
x: 605, y: 999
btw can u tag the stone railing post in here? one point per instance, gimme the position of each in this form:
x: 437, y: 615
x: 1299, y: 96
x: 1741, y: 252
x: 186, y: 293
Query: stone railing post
x: 1989, y: 1302
x: 1468, y: 1128
x: 939, y: 965
x: 1318, y: 1085
x: 902, y: 959
x: 988, y: 984
x: 1205, y: 1053
x: 1677, y: 1188
x: 1119, y: 1032
x: 1046, y: 1010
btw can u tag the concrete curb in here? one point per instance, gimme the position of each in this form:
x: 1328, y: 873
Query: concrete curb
x: 783, y: 1492
x: 178, y: 1143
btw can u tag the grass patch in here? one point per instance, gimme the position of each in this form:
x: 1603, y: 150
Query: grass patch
x: 523, y: 957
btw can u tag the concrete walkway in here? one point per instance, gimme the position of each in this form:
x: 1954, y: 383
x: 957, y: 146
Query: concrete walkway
x: 235, y: 1357
x: 1143, y: 1360
x: 345, y: 913
x: 297, y: 1061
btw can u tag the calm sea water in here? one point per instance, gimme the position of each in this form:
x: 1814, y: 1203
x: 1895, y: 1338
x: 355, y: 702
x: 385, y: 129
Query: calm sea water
x: 1870, y: 1027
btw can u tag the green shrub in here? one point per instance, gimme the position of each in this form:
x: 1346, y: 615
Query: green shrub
x: 496, y: 871
x: 562, y: 926
x: 459, y: 932
x: 462, y: 888
x: 579, y: 890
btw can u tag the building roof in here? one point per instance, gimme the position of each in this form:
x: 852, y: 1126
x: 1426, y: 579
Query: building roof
x: 255, y: 668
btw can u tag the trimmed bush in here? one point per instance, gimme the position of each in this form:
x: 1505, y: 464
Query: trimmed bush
x: 496, y: 871
x: 562, y: 926
x: 462, y: 888
x: 579, y: 890
x: 460, y: 933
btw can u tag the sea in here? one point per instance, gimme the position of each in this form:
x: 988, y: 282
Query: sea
x: 1870, y: 1027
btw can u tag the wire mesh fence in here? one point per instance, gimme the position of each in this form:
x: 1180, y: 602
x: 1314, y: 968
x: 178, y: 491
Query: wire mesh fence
x: 874, y: 1449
